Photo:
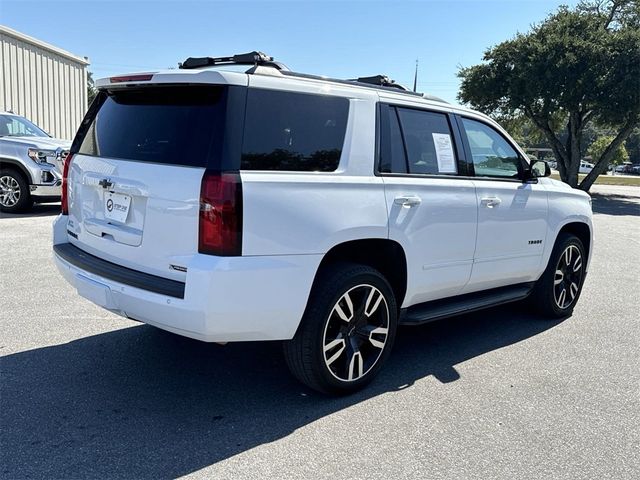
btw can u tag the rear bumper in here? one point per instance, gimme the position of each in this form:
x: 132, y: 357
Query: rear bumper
x: 110, y: 271
x: 225, y: 299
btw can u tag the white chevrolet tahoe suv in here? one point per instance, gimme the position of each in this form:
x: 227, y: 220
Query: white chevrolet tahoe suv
x: 271, y: 205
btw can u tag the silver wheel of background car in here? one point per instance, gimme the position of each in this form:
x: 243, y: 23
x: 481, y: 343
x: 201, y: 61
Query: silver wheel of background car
x: 356, y: 333
x: 568, y: 277
x: 9, y: 191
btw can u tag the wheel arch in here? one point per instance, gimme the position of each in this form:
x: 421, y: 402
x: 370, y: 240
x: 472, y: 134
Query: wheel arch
x: 9, y: 163
x: 580, y: 230
x: 386, y: 256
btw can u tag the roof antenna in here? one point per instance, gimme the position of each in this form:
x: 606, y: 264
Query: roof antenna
x: 415, y: 78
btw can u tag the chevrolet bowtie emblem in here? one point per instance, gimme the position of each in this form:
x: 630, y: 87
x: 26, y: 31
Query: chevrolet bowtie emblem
x: 105, y: 183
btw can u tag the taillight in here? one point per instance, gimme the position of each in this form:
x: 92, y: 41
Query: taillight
x: 220, y: 214
x: 64, y: 201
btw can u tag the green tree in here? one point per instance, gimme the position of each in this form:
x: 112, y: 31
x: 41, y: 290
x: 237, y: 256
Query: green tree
x: 92, y: 91
x: 579, y: 66
x: 522, y: 130
x: 597, y: 148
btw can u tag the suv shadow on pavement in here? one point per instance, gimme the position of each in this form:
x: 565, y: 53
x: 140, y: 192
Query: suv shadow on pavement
x: 143, y: 403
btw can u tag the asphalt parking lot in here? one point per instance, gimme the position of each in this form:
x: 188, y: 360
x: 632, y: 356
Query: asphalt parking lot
x: 497, y: 394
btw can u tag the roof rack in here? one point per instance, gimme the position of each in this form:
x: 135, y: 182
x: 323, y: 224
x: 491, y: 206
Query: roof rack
x: 260, y: 59
x: 380, y: 80
x: 252, y: 58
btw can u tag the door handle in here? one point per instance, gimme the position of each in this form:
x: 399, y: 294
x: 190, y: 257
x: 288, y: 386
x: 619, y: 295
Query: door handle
x: 490, y: 202
x: 407, y: 200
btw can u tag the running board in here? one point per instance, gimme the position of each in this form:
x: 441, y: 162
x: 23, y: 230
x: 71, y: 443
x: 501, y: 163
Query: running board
x: 470, y: 302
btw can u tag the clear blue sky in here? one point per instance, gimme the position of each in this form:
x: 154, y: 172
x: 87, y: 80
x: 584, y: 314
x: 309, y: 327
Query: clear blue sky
x: 338, y: 39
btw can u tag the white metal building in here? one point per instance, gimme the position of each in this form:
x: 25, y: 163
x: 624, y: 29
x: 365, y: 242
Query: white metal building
x: 43, y: 83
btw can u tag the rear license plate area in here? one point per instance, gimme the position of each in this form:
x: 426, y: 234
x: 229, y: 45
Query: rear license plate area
x: 116, y: 207
x: 95, y: 292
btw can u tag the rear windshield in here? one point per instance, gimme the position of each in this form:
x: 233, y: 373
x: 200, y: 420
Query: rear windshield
x: 172, y: 125
x: 293, y: 131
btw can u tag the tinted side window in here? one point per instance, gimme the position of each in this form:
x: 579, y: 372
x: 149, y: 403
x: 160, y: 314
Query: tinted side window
x: 428, y: 142
x: 392, y: 156
x: 293, y: 131
x: 492, y: 155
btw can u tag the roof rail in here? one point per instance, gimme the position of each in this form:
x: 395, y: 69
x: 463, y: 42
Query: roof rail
x: 252, y: 58
x: 390, y: 86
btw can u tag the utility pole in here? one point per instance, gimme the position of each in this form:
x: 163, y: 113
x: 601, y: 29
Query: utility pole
x: 415, y: 78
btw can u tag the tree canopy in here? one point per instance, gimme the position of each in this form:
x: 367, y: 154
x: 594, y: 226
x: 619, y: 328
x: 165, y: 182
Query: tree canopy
x: 597, y: 148
x: 578, y: 66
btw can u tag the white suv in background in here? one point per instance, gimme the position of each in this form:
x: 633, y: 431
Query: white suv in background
x: 272, y: 205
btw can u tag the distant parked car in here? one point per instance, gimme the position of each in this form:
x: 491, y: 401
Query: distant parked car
x: 626, y: 167
x: 30, y: 164
x: 585, y: 167
x: 636, y: 169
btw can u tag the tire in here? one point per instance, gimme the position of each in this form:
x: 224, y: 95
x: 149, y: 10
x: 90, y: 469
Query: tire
x: 547, y: 297
x: 15, y: 195
x: 353, y: 308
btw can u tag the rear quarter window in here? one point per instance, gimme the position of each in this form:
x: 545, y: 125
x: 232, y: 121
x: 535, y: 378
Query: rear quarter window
x: 293, y: 131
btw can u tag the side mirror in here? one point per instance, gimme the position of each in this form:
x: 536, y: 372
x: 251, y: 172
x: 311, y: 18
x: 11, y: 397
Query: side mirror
x: 539, y: 168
